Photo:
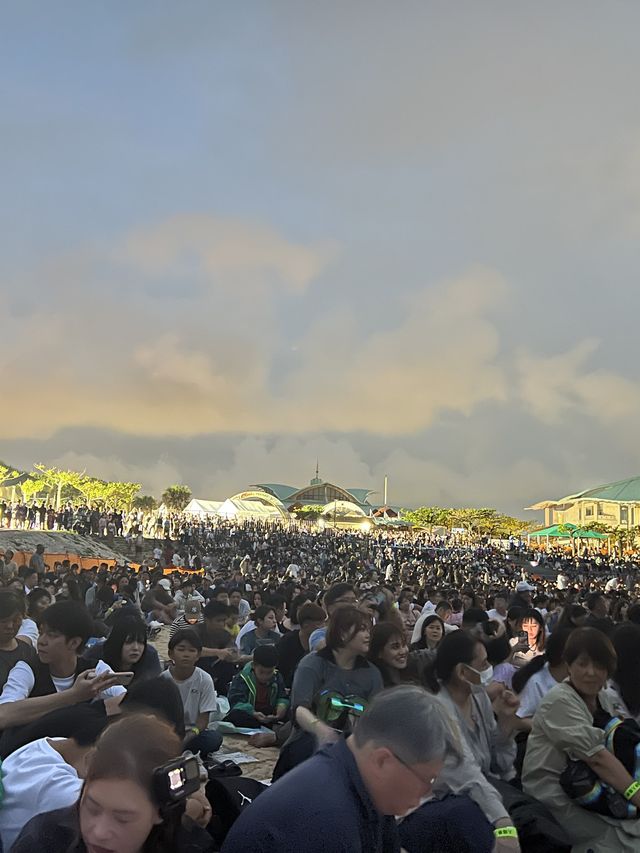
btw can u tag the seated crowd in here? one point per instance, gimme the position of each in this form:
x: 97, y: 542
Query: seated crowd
x: 406, y: 715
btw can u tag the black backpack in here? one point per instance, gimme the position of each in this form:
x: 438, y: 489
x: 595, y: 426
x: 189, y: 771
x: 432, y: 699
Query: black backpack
x: 228, y: 796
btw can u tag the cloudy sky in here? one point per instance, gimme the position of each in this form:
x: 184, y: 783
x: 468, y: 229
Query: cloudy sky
x: 399, y: 237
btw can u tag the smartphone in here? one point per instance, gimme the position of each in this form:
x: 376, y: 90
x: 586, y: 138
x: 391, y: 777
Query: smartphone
x: 523, y: 637
x: 124, y: 679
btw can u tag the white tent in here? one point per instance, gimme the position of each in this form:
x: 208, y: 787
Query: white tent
x: 202, y: 508
x: 246, y: 510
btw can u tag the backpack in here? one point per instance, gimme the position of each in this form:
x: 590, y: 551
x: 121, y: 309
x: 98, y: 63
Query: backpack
x: 228, y: 796
x: 581, y: 784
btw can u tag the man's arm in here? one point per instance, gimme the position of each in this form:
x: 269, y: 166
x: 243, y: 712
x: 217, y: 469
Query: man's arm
x: 16, y: 712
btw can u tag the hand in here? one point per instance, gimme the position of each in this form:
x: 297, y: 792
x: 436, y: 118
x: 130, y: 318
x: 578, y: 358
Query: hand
x: 506, y: 704
x: 507, y: 845
x: 88, y: 685
x: 198, y: 809
x: 260, y: 716
x: 325, y: 734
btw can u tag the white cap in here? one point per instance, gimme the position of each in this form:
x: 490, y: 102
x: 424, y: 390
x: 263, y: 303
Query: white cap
x: 165, y: 583
x: 523, y: 586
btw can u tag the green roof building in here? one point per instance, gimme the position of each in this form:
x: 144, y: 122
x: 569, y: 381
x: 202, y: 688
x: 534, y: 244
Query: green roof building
x: 613, y: 504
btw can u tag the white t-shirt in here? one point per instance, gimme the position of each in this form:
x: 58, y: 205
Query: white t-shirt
x: 534, y: 691
x: 197, y: 693
x: 21, y: 682
x: 36, y: 779
x: 493, y: 614
x: 28, y: 628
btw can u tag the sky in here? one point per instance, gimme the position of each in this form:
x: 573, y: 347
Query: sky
x: 398, y: 238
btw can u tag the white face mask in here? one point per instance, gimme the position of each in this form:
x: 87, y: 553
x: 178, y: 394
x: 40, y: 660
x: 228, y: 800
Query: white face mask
x: 486, y: 675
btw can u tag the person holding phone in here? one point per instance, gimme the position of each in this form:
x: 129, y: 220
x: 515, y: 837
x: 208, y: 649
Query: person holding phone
x: 59, y: 677
x: 133, y: 798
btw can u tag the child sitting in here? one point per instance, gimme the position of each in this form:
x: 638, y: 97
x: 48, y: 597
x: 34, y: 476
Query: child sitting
x: 196, y: 691
x: 257, y: 695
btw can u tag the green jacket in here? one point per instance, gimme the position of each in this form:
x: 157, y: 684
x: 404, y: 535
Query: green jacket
x: 242, y: 693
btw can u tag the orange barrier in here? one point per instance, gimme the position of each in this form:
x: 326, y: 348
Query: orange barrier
x: 22, y: 559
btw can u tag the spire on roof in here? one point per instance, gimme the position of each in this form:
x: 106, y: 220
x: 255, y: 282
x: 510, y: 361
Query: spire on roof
x: 316, y: 480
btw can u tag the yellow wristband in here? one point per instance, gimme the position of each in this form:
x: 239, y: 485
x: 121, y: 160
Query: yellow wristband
x: 506, y: 832
x: 632, y: 790
x: 195, y: 730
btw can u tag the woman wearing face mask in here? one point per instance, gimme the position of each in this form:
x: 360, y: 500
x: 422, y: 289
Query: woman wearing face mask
x: 487, y: 729
x: 120, y: 809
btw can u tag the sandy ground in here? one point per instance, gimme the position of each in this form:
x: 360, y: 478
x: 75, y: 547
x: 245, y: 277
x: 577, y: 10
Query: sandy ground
x: 266, y: 758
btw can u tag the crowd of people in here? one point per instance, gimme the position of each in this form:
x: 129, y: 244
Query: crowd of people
x: 424, y: 693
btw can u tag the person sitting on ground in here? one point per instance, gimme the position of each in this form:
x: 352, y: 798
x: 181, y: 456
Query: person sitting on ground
x: 12, y: 650
x: 598, y: 607
x: 533, y: 625
x: 29, y: 576
x: 121, y: 807
x: 423, y: 652
x: 157, y: 603
x: 219, y: 652
x: 295, y: 644
x: 257, y: 696
x: 190, y: 618
x: 572, y: 616
x: 333, y: 686
x: 59, y: 677
x: 44, y: 775
x: 187, y: 592
x: 197, y: 692
x: 264, y: 634
x: 462, y: 673
x: 343, y: 799
x: 388, y: 651
x: 533, y: 681
x: 126, y: 649
x: 37, y: 602
x: 336, y: 596
x: 564, y: 728
x: 244, y: 608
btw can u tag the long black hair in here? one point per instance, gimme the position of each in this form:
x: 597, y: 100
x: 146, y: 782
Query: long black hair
x: 553, y: 655
x: 127, y: 627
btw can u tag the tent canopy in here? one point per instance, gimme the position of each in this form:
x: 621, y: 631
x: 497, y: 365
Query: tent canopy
x: 234, y: 508
x: 567, y: 531
x: 201, y: 508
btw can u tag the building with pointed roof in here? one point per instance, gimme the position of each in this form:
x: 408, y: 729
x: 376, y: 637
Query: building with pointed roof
x: 614, y: 504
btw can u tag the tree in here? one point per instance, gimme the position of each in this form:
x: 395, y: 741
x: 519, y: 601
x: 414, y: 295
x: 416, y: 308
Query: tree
x: 426, y: 516
x: 175, y: 498
x: 92, y: 490
x: 56, y: 480
x: 121, y: 495
x: 7, y: 474
x: 31, y: 487
x: 147, y: 503
x: 308, y: 512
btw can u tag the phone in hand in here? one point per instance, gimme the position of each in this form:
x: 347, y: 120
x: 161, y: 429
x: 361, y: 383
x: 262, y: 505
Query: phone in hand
x: 523, y: 638
x: 124, y: 679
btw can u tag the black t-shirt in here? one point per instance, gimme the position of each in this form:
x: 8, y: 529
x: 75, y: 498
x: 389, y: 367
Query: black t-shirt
x: 290, y: 653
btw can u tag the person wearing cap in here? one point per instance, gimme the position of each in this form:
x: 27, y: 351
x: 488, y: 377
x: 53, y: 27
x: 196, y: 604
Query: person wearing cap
x: 158, y: 603
x: 522, y: 596
x: 191, y: 617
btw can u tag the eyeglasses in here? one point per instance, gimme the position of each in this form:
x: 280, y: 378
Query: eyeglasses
x: 426, y: 782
